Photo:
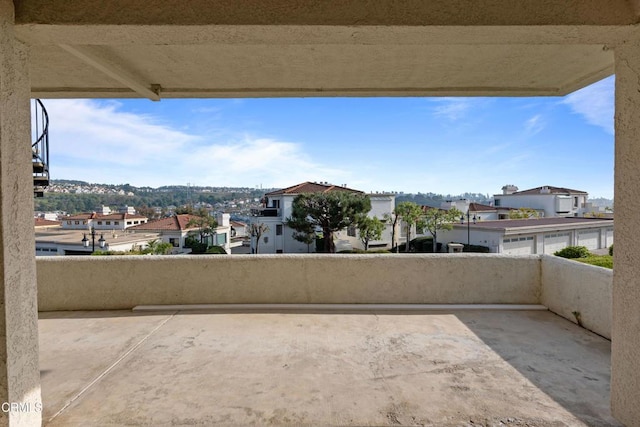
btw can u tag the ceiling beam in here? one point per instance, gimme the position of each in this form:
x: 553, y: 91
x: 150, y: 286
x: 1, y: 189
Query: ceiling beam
x: 96, y: 61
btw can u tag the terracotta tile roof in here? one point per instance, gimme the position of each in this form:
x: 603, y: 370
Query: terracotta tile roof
x: 311, y: 187
x: 94, y: 215
x: 237, y: 224
x: 122, y: 216
x: 172, y: 223
x: 478, y: 207
x: 41, y: 222
x: 552, y: 190
x: 81, y: 216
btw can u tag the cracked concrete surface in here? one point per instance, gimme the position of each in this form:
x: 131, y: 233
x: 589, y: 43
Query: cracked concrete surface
x: 475, y: 368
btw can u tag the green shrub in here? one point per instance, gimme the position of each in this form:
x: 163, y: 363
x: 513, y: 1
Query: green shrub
x: 362, y: 251
x: 605, y: 261
x: 475, y: 248
x: 216, y: 250
x: 195, y: 245
x: 572, y: 252
x: 611, y: 250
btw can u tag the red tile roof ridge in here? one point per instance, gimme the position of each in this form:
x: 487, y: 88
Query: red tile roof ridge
x: 176, y: 222
x: 311, y: 187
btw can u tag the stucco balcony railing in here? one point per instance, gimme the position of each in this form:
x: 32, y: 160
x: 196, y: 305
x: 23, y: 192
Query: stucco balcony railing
x: 425, y: 339
x: 124, y: 282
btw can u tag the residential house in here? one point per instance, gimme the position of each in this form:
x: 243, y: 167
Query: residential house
x: 549, y: 201
x: 277, y: 207
x: 110, y: 222
x: 176, y: 228
x: 239, y: 229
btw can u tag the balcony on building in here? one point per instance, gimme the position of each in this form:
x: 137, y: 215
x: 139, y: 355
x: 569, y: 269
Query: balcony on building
x: 266, y: 212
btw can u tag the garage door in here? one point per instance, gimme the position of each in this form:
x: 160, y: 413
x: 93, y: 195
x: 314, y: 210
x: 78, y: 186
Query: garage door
x: 609, y: 237
x: 519, y: 245
x: 555, y: 242
x: 590, y: 239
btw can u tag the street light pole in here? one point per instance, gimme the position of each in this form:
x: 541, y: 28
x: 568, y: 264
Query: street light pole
x: 85, y: 241
x: 475, y: 218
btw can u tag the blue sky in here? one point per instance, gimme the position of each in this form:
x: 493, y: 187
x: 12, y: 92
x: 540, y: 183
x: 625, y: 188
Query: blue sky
x: 440, y: 145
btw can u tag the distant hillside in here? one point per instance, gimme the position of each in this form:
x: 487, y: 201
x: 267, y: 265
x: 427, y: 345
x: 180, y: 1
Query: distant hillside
x: 601, y: 201
x: 73, y: 196
x: 434, y: 200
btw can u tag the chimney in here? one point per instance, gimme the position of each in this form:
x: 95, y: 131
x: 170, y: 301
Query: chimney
x: 509, y: 189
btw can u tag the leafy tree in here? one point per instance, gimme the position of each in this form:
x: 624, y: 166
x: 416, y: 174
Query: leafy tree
x: 392, y: 220
x: 184, y: 210
x: 369, y: 229
x: 305, y: 231
x: 523, y: 213
x: 158, y: 247
x: 145, y: 210
x: 205, y: 224
x: 331, y: 212
x: 411, y: 213
x: 436, y: 219
x: 195, y: 246
x: 257, y: 230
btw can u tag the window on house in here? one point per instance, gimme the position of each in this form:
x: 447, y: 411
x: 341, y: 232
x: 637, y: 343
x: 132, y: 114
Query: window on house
x: 403, y: 229
x: 99, y: 222
x: 84, y: 222
x: 275, y: 203
x: 128, y: 222
x: 221, y: 238
x: 108, y: 222
x: 279, y: 230
x: 278, y: 251
x: 174, y: 242
x: 497, y: 202
x: 575, y: 202
x: 68, y: 222
x: 116, y: 222
x: 76, y: 222
x: 351, y: 231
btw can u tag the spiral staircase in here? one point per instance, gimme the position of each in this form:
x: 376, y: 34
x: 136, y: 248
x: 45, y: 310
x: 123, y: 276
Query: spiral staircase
x: 40, y: 148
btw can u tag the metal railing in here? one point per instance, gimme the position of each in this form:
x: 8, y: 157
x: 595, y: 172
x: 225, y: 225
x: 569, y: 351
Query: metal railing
x: 40, y: 148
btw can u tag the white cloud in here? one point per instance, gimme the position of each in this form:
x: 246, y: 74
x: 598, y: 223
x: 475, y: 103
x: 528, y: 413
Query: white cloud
x: 595, y: 103
x: 96, y: 141
x: 534, y: 125
x: 452, y: 109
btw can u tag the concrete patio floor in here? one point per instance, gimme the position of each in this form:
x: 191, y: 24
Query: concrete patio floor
x: 434, y: 368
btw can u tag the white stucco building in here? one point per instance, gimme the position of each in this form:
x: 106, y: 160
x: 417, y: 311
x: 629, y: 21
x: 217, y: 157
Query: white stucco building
x: 532, y: 236
x: 551, y: 201
x: 102, y: 222
x: 278, y: 207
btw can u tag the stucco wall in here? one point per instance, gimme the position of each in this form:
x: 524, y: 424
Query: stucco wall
x: 120, y: 282
x: 569, y: 286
